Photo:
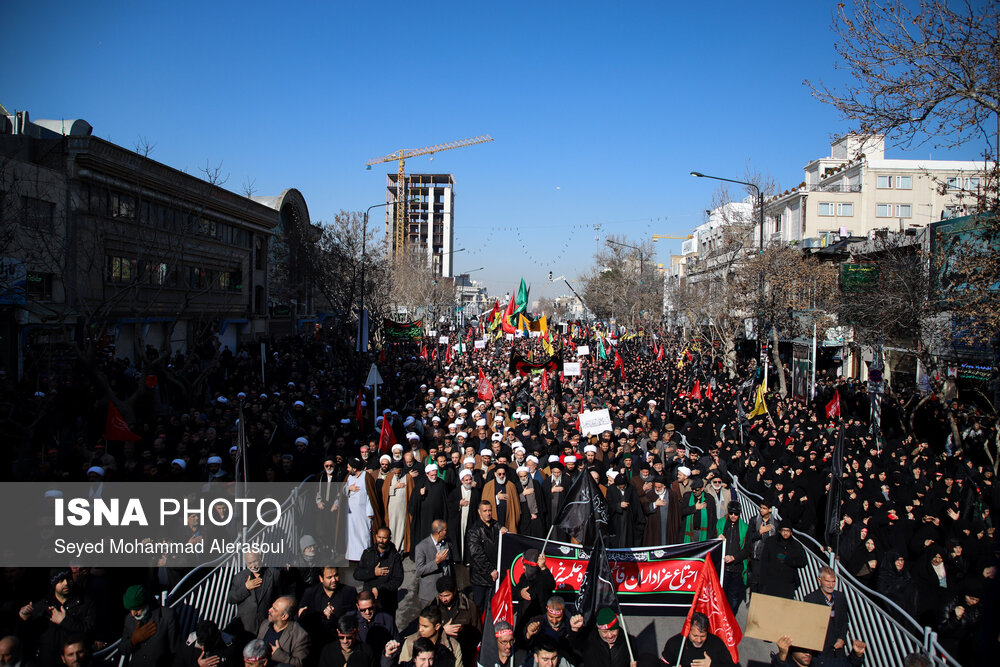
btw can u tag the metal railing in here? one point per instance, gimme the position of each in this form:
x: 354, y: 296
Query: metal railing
x: 888, y: 641
x: 201, y: 594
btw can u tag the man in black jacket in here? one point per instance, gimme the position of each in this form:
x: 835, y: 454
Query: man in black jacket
x: 482, y: 539
x: 347, y: 650
x: 324, y: 603
x: 606, y: 644
x: 149, y: 635
x: 739, y: 542
x: 57, y: 617
x: 780, y: 562
x: 380, y: 571
x: 827, y: 594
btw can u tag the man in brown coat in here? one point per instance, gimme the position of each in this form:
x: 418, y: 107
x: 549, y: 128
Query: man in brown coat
x: 501, y: 493
x: 663, y: 519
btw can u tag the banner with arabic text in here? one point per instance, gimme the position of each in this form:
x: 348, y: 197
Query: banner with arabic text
x: 649, y: 580
x: 402, y: 331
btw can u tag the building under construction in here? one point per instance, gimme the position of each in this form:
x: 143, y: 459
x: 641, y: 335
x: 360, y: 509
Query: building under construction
x: 429, y: 223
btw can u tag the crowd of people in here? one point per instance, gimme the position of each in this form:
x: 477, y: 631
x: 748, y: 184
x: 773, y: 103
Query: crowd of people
x: 915, y: 523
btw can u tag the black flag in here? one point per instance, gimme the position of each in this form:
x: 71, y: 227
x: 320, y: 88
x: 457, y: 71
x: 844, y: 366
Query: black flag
x: 597, y: 590
x: 833, y: 499
x: 585, y: 512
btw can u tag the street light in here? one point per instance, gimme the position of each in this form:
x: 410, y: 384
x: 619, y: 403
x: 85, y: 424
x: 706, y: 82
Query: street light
x: 626, y: 245
x: 760, y: 198
x: 446, y: 254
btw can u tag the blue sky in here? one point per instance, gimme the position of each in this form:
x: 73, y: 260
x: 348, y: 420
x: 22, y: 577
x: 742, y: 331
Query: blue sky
x: 599, y: 110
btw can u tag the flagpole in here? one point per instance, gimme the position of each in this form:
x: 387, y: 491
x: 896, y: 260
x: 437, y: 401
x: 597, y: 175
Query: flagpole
x: 684, y: 639
x: 546, y: 542
x: 628, y: 644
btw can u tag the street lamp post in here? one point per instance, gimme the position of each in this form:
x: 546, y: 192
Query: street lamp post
x: 760, y: 198
x: 760, y: 212
x: 641, y: 262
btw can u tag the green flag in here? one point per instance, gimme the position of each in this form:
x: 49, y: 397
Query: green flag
x: 521, y: 303
x: 601, y: 352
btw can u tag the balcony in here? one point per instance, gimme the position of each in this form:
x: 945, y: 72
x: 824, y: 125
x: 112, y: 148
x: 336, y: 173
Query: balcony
x: 834, y: 187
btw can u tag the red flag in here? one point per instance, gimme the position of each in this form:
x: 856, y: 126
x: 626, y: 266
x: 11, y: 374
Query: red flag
x: 381, y: 356
x: 502, y: 604
x: 688, y: 356
x: 116, y: 428
x: 708, y: 391
x: 485, y: 388
x: 447, y: 353
x: 696, y: 390
x: 710, y: 600
x: 423, y: 352
x: 507, y: 314
x: 833, y: 407
x: 386, y: 437
x: 359, y: 413
x: 618, y: 361
x: 545, y: 381
x: 434, y: 354
x: 659, y: 355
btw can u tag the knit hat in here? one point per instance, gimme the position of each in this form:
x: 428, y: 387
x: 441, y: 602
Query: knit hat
x: 606, y: 619
x: 135, y: 597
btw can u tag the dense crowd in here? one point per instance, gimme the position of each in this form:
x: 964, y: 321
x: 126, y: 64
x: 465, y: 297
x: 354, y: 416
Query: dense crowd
x: 915, y: 522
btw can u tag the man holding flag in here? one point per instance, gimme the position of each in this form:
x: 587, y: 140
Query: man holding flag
x: 710, y: 634
x: 606, y: 643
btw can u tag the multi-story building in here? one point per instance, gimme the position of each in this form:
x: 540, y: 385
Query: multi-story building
x: 105, y: 247
x: 429, y: 220
x: 471, y: 296
x: 857, y: 190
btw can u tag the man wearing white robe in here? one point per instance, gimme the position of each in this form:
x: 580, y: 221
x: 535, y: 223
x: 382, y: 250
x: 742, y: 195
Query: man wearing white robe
x: 359, y: 511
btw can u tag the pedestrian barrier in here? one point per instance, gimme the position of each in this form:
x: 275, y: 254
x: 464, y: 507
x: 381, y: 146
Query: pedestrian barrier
x: 888, y: 641
x: 201, y: 594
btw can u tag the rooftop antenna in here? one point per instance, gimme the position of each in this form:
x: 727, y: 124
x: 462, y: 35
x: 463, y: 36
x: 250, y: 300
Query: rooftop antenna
x: 597, y: 238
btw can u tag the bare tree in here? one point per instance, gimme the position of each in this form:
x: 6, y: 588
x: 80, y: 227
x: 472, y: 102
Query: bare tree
x: 342, y: 257
x: 624, y: 283
x: 416, y: 289
x: 249, y: 187
x: 144, y: 147
x: 923, y: 72
x: 214, y: 174
x: 788, y: 293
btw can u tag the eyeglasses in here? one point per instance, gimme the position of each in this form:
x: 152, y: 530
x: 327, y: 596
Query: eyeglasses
x: 365, y: 610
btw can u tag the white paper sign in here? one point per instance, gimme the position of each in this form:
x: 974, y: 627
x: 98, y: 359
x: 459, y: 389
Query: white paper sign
x: 481, y: 344
x: 534, y: 334
x: 583, y: 351
x: 443, y: 340
x: 594, y: 422
x: 432, y: 333
x: 571, y: 368
x: 508, y: 336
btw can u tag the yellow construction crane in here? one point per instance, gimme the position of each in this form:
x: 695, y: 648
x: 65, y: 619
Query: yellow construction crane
x: 657, y: 237
x: 400, y: 156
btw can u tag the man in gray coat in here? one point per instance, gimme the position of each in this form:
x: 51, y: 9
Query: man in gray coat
x: 288, y: 640
x: 432, y: 558
x: 252, y: 590
x: 149, y: 637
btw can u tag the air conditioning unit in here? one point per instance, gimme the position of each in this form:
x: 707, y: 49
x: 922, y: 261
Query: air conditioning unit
x: 812, y: 243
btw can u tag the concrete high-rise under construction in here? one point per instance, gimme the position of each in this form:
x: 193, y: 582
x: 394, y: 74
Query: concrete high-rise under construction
x: 429, y: 219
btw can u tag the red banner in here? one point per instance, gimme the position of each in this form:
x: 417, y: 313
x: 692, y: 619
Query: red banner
x: 655, y: 577
x: 647, y: 577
